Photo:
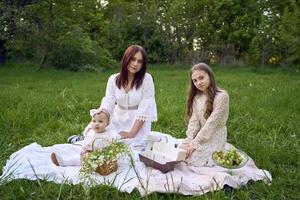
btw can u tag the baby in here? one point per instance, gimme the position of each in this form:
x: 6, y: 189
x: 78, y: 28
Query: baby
x: 97, y: 129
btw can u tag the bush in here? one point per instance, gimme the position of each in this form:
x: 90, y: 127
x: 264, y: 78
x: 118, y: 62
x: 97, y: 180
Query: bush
x: 75, y: 49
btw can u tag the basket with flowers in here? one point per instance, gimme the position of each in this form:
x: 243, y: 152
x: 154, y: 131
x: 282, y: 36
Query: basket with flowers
x: 104, y: 160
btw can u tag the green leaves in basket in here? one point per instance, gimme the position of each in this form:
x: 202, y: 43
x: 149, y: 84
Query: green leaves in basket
x: 109, y: 153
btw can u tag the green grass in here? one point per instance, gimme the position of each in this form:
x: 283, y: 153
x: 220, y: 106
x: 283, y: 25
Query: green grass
x: 47, y: 106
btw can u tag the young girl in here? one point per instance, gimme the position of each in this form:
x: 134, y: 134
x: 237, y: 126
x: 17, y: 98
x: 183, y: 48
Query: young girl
x: 99, y: 122
x: 206, y: 113
x: 129, y: 97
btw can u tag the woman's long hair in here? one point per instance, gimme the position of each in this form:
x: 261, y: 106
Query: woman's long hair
x: 122, y: 78
x: 211, y: 92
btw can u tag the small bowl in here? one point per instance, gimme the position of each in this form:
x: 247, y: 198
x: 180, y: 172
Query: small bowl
x: 242, y: 164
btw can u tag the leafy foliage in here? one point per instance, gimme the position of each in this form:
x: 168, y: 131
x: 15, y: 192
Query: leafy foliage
x: 290, y: 32
x: 74, y: 34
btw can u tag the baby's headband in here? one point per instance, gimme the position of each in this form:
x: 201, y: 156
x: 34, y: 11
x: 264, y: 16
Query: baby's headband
x: 93, y: 112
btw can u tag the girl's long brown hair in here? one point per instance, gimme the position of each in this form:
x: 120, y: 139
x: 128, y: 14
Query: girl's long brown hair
x: 211, y: 92
x: 122, y: 78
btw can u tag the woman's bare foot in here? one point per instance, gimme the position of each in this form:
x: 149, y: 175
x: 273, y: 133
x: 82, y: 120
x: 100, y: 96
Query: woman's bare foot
x: 54, y: 159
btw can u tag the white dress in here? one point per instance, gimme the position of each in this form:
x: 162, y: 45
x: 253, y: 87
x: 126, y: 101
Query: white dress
x: 126, y: 107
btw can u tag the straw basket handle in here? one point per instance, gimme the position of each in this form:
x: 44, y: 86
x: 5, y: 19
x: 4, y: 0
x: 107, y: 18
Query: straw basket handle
x: 99, y: 138
x: 107, y: 167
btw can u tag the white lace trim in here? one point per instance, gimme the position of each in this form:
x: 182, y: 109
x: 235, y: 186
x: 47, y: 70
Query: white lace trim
x: 146, y: 119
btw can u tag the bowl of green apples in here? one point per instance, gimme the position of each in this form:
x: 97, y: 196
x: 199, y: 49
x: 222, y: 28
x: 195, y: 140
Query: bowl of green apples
x: 230, y: 159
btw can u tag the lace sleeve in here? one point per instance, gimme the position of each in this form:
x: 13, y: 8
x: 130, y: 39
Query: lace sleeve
x: 147, y: 110
x: 217, y: 119
x: 193, y: 126
x: 108, y: 101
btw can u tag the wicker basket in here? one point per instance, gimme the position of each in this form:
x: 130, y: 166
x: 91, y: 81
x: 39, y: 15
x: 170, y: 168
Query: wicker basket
x: 107, y: 167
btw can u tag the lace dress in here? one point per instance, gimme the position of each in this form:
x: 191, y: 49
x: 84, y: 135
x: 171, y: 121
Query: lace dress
x: 207, y: 135
x: 126, y: 107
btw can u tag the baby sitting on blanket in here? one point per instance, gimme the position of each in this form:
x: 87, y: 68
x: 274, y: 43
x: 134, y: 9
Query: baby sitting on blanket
x: 97, y: 129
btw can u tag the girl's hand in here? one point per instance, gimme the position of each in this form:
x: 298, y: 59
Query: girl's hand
x: 189, y: 149
x: 125, y: 134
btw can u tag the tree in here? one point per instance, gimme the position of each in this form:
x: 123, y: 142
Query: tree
x: 290, y: 32
x: 75, y: 33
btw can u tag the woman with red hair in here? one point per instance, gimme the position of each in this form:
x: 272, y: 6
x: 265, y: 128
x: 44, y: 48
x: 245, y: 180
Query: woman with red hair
x: 129, y: 97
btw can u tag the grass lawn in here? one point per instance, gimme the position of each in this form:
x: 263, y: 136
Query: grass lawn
x: 47, y: 106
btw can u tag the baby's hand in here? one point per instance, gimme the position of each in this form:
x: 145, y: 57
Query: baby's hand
x: 84, y: 150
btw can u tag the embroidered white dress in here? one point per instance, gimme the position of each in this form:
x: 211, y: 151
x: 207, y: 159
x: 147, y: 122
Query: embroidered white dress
x: 207, y: 135
x: 126, y: 107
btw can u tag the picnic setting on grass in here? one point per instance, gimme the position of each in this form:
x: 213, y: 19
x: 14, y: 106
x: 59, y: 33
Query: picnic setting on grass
x: 119, y: 148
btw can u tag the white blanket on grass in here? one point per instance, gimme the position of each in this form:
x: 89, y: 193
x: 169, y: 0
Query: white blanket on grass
x: 33, y: 162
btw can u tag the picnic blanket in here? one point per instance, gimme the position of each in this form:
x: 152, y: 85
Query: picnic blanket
x: 33, y: 162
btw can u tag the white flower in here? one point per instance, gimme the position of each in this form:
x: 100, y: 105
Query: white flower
x: 94, y: 166
x: 94, y: 157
